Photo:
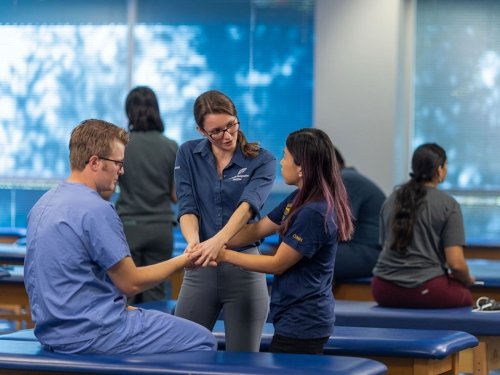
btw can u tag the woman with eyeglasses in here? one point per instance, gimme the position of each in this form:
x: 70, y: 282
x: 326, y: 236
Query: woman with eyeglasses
x: 147, y: 189
x: 222, y: 182
x: 310, y: 221
x: 422, y: 263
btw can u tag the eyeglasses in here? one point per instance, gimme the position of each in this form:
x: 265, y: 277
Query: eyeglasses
x: 218, y: 134
x: 118, y: 163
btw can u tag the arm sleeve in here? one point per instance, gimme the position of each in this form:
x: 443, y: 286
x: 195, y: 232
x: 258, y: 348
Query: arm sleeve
x: 261, y: 183
x: 108, y: 244
x: 453, y: 231
x: 306, y: 233
x: 186, y: 199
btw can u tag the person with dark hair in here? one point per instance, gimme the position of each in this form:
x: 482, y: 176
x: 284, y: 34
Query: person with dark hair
x: 147, y: 191
x: 78, y: 270
x: 422, y: 263
x: 222, y: 182
x: 310, y: 221
x: 357, y: 257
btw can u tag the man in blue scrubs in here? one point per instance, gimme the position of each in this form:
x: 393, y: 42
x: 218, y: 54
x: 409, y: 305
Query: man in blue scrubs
x: 78, y: 269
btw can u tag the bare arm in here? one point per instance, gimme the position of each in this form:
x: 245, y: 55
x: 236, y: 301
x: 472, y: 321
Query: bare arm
x: 457, y: 264
x: 190, y: 229
x: 208, y: 250
x: 131, y: 280
x: 284, y: 258
x: 253, y: 232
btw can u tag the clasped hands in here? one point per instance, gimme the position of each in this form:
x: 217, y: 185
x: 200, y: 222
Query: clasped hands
x: 204, y: 254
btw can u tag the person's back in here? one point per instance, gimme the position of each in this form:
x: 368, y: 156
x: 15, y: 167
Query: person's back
x: 67, y: 282
x: 423, y: 256
x: 422, y: 264
x: 357, y: 257
x: 147, y: 189
x: 145, y: 192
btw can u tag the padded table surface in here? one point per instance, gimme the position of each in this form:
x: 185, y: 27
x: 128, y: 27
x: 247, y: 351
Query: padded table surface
x: 369, y: 314
x: 12, y: 253
x: 485, y: 270
x: 28, y: 355
x: 391, y: 342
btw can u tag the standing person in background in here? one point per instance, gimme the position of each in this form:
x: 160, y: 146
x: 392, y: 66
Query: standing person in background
x: 357, y: 257
x: 147, y: 191
x: 311, y: 220
x: 78, y: 270
x: 422, y: 262
x: 222, y: 182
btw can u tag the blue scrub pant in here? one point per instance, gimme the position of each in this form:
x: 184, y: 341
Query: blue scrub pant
x: 146, y: 332
x: 241, y: 294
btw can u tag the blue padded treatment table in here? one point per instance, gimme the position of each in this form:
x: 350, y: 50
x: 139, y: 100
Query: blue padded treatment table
x: 401, y: 350
x: 484, y: 325
x: 12, y: 253
x: 28, y: 357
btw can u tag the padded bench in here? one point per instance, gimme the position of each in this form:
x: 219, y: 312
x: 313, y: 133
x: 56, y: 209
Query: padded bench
x: 403, y: 351
x: 28, y: 357
x: 435, y: 351
x: 484, y: 325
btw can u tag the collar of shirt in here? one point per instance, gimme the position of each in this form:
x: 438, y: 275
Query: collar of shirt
x: 205, y: 150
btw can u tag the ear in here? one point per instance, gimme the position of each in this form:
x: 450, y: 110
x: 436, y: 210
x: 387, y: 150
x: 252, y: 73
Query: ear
x: 441, y: 173
x: 300, y: 172
x: 93, y: 162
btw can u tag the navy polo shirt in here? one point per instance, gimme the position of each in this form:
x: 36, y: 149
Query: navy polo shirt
x: 213, y: 199
x: 301, y: 298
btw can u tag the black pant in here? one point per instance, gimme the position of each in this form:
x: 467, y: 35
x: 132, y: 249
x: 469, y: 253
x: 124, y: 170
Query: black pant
x: 282, y: 344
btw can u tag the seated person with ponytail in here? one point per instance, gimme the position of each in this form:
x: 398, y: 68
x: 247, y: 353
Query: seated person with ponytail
x: 422, y: 263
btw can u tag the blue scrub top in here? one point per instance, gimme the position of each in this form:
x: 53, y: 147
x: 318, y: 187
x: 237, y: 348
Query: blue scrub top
x: 213, y: 199
x: 73, y: 237
x: 302, y: 304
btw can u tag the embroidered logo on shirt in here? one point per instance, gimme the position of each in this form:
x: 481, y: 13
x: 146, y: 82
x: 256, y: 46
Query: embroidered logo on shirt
x: 297, y: 237
x: 286, y: 212
x: 239, y: 176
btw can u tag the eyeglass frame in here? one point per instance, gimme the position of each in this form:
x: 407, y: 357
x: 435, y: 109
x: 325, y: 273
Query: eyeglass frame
x: 117, y: 162
x: 234, y: 122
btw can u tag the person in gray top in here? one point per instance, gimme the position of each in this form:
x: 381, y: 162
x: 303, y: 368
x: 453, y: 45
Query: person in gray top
x: 357, y: 257
x: 147, y: 189
x: 422, y: 263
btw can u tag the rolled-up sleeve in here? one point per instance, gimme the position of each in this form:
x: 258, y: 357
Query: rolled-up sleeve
x: 261, y: 182
x: 184, y: 184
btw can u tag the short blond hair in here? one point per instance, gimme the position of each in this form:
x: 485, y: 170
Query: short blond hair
x: 93, y: 137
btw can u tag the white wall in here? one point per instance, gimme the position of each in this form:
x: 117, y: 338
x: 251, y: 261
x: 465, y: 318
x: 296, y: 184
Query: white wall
x: 361, y: 76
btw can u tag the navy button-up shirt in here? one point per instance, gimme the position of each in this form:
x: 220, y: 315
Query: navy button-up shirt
x: 213, y: 199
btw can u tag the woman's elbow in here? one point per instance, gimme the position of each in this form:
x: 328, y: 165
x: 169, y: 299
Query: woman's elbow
x: 279, y: 270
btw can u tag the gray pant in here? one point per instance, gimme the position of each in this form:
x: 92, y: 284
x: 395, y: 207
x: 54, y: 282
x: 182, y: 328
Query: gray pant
x: 149, y: 243
x: 241, y: 294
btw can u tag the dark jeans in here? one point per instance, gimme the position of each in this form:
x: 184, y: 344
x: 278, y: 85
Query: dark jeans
x: 282, y: 344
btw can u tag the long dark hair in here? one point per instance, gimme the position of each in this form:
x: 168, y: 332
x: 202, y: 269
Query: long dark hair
x: 313, y: 150
x: 216, y: 102
x: 426, y: 160
x: 143, y: 111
